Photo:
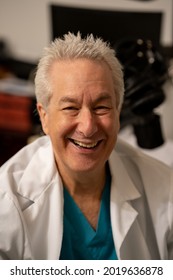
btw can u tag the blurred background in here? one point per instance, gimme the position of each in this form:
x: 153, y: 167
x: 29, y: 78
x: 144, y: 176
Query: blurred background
x: 141, y: 31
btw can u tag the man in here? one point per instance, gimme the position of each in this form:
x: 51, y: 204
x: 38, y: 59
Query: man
x: 71, y: 194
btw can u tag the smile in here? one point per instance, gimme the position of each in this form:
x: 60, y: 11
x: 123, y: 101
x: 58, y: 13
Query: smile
x: 85, y: 145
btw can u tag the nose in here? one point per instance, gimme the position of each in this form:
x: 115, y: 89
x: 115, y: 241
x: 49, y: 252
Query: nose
x: 87, y: 123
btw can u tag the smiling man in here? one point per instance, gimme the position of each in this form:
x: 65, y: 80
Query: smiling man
x: 77, y: 193
x: 82, y: 120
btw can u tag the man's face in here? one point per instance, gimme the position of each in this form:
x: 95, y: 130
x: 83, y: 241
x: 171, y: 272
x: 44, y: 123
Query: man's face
x: 82, y: 119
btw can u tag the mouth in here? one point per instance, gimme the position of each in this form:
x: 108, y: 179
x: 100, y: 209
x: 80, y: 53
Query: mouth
x: 85, y: 145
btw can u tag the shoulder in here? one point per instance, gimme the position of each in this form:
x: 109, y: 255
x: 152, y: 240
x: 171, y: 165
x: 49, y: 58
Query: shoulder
x: 24, y: 156
x: 26, y: 172
x: 129, y: 153
x: 153, y: 173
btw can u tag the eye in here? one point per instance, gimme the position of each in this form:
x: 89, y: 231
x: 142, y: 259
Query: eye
x: 70, y: 108
x: 102, y: 109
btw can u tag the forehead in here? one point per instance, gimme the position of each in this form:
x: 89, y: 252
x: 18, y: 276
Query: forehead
x: 82, y: 73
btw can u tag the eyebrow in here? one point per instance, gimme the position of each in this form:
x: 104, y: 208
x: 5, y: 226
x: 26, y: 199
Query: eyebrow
x: 69, y: 99
x: 103, y: 98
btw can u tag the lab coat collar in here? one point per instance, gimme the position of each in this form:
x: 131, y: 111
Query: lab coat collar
x: 37, y: 180
x: 123, y: 215
x: 124, y: 188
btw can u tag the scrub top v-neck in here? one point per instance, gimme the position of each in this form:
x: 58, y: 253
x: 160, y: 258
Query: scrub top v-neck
x: 80, y: 240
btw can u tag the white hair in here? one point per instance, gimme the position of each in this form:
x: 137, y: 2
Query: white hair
x: 73, y: 47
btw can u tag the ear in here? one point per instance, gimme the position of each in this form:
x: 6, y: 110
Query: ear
x: 43, y: 117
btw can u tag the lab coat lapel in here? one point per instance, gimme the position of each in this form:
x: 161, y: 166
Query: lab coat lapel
x: 126, y: 230
x: 44, y: 216
x: 45, y: 219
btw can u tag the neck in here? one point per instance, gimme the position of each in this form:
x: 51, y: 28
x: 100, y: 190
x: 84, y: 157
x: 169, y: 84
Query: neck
x: 86, y: 190
x: 89, y: 184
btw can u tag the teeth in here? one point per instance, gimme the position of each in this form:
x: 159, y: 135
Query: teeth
x: 85, y: 145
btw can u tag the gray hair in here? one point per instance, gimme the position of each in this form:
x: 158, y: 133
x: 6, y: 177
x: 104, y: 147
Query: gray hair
x: 73, y: 47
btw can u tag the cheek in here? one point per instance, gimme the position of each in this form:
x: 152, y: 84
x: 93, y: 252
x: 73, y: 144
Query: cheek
x: 111, y: 124
x: 60, y: 127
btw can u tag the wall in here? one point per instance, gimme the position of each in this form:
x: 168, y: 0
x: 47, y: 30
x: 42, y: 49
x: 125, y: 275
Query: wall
x: 26, y: 24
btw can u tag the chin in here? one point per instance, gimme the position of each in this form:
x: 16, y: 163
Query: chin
x: 85, y: 167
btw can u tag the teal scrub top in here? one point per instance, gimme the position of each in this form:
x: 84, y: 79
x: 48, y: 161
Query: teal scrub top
x: 80, y: 240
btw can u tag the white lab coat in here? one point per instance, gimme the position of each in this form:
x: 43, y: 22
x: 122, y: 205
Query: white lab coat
x: 31, y: 205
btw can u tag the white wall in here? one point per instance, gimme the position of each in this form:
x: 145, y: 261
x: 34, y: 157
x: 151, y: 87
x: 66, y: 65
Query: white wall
x: 26, y: 24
